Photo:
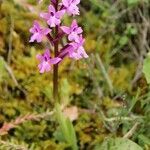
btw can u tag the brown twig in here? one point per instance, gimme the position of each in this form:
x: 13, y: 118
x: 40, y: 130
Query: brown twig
x: 13, y: 124
x: 9, y: 145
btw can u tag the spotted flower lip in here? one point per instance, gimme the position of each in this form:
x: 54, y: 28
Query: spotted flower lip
x: 73, y: 31
x: 46, y: 61
x: 38, y: 32
x: 53, y: 17
x: 71, y: 6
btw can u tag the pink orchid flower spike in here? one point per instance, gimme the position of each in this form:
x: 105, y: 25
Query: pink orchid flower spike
x: 71, y: 6
x: 38, y: 32
x: 73, y: 31
x: 46, y: 61
x: 53, y: 17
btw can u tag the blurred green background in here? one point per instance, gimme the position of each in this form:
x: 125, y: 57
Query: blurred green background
x: 108, y: 89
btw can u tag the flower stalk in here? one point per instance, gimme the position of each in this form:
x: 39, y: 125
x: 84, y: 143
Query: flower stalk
x: 55, y: 73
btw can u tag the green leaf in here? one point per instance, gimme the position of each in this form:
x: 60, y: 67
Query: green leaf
x: 133, y: 31
x: 67, y: 129
x: 119, y: 144
x: 72, y: 134
x: 123, y: 40
x: 143, y: 139
x: 132, y: 2
x: 58, y: 135
x: 146, y: 68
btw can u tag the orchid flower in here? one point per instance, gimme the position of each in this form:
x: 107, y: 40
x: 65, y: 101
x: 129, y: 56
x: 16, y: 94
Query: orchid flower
x: 38, y: 32
x: 77, y: 51
x: 53, y: 17
x: 73, y: 31
x: 71, y: 6
x: 46, y: 61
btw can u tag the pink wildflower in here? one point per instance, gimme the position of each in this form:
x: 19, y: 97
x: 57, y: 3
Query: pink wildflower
x: 74, y: 50
x: 77, y: 51
x: 71, y: 6
x: 46, y: 61
x: 73, y: 31
x: 53, y: 17
x: 38, y: 32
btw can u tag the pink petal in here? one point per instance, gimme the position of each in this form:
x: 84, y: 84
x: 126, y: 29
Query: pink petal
x: 53, y: 21
x: 73, y: 10
x: 47, y: 53
x: 51, y: 9
x: 40, y: 66
x: 46, y: 31
x: 39, y: 57
x: 65, y: 3
x: 73, y: 36
x: 36, y: 24
x: 47, y: 67
x: 75, y: 56
x: 44, y: 15
x: 65, y: 29
x: 35, y: 28
x: 74, y: 45
x: 59, y: 14
x: 36, y: 37
x: 32, y: 30
x: 79, y: 30
x: 57, y: 21
x: 76, y: 2
x: 82, y: 52
x: 74, y: 24
x: 44, y: 67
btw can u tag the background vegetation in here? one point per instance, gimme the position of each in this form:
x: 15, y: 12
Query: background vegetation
x: 107, y: 96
